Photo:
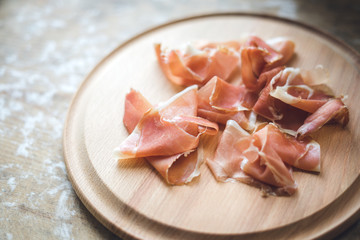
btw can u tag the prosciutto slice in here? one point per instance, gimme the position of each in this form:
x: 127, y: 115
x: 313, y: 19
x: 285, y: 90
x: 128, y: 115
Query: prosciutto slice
x: 198, y: 65
x: 257, y: 57
x: 333, y: 109
x: 167, y: 135
x: 264, y: 155
x: 220, y: 101
x: 240, y: 156
x: 304, y: 154
x: 290, y: 87
x: 292, y: 100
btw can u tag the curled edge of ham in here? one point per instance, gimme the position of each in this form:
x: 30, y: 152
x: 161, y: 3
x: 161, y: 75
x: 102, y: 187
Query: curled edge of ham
x: 177, y: 169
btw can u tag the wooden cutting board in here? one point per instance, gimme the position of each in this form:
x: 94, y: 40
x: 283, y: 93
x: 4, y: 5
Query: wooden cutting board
x: 132, y: 200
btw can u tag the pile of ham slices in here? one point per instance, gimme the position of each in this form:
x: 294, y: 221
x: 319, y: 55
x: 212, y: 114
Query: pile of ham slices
x: 268, y: 117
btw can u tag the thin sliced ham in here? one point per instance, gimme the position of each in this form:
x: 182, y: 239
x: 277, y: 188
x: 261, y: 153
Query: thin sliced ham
x: 252, y: 64
x: 289, y: 87
x: 286, y: 116
x: 257, y: 57
x: 220, y: 101
x: 179, y: 168
x: 166, y: 135
x: 303, y: 154
x: 299, y: 103
x: 333, y: 109
x: 240, y: 155
x: 198, y: 65
x: 266, y: 105
x: 283, y: 46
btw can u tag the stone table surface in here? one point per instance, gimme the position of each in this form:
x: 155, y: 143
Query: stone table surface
x: 46, y: 50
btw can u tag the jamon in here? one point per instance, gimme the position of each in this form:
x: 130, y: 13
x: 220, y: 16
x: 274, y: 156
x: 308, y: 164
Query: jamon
x: 332, y: 109
x: 251, y: 150
x: 198, y: 65
x: 290, y: 87
x: 291, y: 100
x: 220, y: 101
x: 265, y: 155
x: 257, y: 57
x: 166, y: 134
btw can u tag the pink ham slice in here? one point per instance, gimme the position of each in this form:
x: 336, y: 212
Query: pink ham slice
x: 265, y: 156
x: 166, y: 135
x: 290, y: 87
x: 177, y: 169
x: 304, y: 154
x: 220, y: 101
x: 198, y: 65
x: 257, y: 57
x: 333, y: 109
x: 291, y: 100
x: 266, y: 105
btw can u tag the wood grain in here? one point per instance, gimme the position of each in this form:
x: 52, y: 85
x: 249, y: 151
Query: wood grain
x: 120, y: 195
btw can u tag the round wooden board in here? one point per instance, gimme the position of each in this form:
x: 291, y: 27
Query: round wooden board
x: 132, y: 200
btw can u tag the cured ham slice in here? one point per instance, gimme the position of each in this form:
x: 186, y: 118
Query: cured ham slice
x: 291, y: 99
x: 167, y: 135
x: 289, y: 87
x: 198, y: 65
x: 273, y: 109
x: 333, y: 109
x: 283, y: 46
x: 240, y: 155
x: 264, y: 155
x: 252, y: 64
x: 177, y: 169
x: 303, y: 154
x: 220, y: 101
x: 257, y: 57
x: 266, y: 105
x: 154, y: 134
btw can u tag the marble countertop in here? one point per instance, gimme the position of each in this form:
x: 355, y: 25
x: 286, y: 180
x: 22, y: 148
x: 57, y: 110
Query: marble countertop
x: 46, y: 50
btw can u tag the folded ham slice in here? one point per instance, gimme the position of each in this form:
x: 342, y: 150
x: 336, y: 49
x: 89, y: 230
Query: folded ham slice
x: 332, y: 109
x: 304, y: 154
x: 290, y: 87
x: 291, y: 98
x: 166, y: 135
x: 220, y: 101
x: 240, y: 155
x: 257, y: 57
x: 264, y: 155
x: 198, y: 65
